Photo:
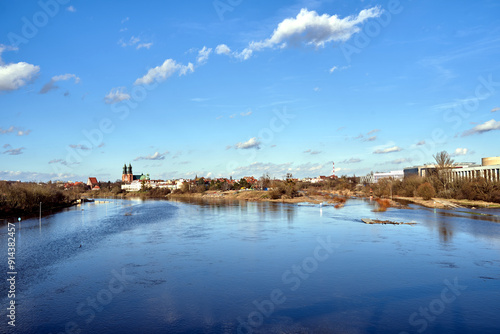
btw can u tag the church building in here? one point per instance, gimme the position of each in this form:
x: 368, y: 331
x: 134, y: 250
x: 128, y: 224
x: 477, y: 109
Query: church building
x: 128, y: 176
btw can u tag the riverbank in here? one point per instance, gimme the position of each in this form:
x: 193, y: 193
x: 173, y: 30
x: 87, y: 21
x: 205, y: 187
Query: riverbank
x: 442, y: 203
x: 263, y: 196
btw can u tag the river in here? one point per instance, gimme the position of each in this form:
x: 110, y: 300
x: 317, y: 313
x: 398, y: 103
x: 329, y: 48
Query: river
x: 131, y: 266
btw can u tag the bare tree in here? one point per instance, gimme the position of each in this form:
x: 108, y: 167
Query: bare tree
x: 444, y: 164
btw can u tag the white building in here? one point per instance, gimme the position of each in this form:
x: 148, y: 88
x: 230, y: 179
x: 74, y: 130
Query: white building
x: 375, y: 177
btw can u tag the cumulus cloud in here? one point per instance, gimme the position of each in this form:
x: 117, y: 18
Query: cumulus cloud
x: 14, y: 151
x: 461, y: 151
x: 309, y: 28
x: 116, y: 95
x: 487, y: 126
x: 388, y: 150
x: 244, y: 55
x: 164, y: 71
x: 222, y: 49
x: 15, y: 75
x: 351, y: 161
x: 154, y: 156
x: 251, y: 143
x: 51, y: 84
x: 203, y: 54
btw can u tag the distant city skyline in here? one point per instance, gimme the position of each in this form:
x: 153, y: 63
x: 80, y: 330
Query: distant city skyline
x: 220, y: 89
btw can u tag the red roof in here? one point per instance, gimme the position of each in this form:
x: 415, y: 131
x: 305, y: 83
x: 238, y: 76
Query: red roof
x: 93, y: 180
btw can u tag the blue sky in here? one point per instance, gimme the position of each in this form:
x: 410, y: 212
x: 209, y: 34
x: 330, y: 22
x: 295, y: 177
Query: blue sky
x: 220, y: 88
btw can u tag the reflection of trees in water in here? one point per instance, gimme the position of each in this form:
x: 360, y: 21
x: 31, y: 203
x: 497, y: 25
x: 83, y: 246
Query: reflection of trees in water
x: 445, y: 230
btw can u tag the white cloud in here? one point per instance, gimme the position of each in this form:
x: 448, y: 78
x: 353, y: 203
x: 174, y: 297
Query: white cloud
x: 163, y: 72
x: 12, y: 129
x: 309, y: 28
x: 222, y: 49
x: 144, y: 45
x: 333, y: 69
x: 199, y: 99
x: 495, y: 109
x: 14, y: 76
x: 372, y: 132
x: 258, y: 168
x: 460, y: 151
x: 35, y: 176
x: 132, y: 41
x: 71, y: 9
x: 251, y: 143
x: 23, y: 133
x: 388, y: 150
x: 481, y: 128
x: 244, y: 114
x: 116, y: 95
x: 125, y: 19
x: 51, y: 84
x: 420, y: 143
x: 155, y: 156
x: 203, y: 54
x: 244, y: 55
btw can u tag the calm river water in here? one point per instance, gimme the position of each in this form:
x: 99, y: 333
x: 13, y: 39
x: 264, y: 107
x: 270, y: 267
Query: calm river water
x: 243, y: 267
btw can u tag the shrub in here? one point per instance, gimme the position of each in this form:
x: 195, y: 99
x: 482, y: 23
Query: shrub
x: 426, y: 191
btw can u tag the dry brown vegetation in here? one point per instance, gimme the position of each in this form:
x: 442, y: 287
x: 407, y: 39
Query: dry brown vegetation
x: 17, y: 198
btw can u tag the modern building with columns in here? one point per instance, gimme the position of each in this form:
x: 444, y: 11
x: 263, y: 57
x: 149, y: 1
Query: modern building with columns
x: 489, y: 170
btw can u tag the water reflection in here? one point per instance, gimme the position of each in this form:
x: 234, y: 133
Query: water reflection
x: 445, y: 229
x: 198, y: 265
